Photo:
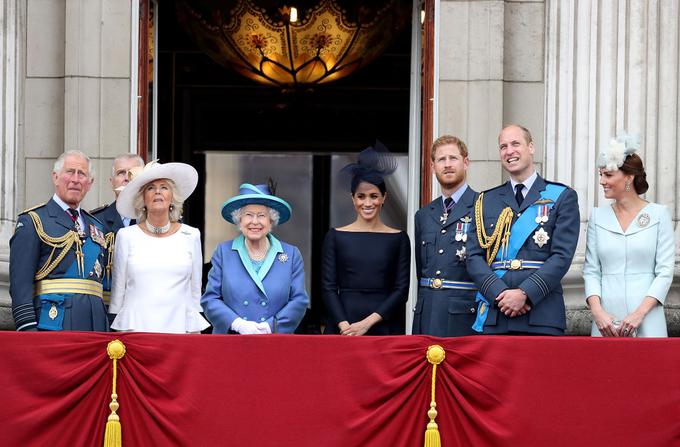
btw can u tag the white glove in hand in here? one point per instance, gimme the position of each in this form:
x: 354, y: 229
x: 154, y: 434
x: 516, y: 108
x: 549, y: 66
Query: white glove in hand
x: 264, y: 328
x: 245, y: 327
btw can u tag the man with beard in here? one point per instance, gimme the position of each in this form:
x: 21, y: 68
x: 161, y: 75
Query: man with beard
x: 446, y: 296
x: 522, y: 243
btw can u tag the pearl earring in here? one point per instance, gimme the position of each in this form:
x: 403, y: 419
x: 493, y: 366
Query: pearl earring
x: 627, y: 186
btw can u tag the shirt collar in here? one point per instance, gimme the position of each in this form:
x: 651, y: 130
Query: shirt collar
x: 64, y: 206
x: 458, y: 194
x: 528, y: 183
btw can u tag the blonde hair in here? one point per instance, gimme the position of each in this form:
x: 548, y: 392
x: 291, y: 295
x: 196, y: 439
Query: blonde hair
x: 176, y: 204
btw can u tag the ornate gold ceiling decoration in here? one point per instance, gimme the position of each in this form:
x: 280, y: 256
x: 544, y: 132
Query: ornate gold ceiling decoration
x: 329, y: 40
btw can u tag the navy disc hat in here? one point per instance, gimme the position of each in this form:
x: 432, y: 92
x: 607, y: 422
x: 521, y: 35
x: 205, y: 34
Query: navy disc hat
x: 256, y: 195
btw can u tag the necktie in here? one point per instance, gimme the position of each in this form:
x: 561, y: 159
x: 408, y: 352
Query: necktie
x: 72, y: 213
x: 448, y: 203
x: 132, y: 222
x: 518, y: 194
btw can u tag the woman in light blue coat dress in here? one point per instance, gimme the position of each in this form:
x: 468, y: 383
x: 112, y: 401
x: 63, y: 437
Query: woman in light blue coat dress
x: 629, y: 252
x: 257, y: 283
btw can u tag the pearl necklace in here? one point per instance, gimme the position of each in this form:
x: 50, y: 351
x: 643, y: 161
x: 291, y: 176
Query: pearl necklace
x: 259, y: 254
x: 158, y: 230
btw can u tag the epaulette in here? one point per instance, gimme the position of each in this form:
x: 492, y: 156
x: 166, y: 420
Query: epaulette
x: 34, y: 208
x: 101, y: 208
x: 89, y: 213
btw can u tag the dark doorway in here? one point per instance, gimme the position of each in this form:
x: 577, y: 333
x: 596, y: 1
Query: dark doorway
x: 205, y: 109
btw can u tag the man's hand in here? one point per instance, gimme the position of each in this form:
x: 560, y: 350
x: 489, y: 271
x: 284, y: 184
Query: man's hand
x: 513, y: 302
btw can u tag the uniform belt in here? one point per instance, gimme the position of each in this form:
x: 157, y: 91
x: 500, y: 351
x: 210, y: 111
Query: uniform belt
x: 516, y: 264
x: 107, y: 298
x: 68, y: 285
x: 438, y: 283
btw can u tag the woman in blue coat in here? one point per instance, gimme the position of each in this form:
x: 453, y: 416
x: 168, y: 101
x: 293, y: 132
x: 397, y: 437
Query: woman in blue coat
x: 257, y: 283
x: 629, y: 252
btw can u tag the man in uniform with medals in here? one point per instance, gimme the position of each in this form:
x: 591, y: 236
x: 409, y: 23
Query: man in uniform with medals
x: 523, y: 240
x: 57, y: 257
x: 446, y: 294
x: 108, y: 214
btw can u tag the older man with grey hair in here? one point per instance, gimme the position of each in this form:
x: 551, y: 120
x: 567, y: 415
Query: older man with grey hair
x: 57, y: 256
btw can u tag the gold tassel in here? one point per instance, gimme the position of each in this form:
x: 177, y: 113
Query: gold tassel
x: 112, y: 435
x: 435, y: 355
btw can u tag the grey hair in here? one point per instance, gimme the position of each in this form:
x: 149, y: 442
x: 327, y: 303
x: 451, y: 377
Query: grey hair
x: 126, y: 156
x: 274, y: 216
x: 176, y: 204
x: 59, y: 162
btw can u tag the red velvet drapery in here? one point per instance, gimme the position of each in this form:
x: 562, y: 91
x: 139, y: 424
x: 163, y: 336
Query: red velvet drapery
x: 200, y: 390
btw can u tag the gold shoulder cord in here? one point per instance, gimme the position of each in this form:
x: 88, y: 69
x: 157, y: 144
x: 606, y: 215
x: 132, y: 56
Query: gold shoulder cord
x: 64, y: 242
x: 110, y: 244
x: 501, y: 233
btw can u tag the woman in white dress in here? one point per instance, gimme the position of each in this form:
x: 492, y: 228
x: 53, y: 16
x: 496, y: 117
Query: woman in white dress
x: 157, y: 264
x: 629, y: 252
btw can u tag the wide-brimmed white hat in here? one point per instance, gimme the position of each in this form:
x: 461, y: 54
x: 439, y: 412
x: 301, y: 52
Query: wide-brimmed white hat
x: 183, y: 175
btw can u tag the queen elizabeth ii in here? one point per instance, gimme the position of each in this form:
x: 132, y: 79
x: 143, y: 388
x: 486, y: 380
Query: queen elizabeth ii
x: 257, y: 283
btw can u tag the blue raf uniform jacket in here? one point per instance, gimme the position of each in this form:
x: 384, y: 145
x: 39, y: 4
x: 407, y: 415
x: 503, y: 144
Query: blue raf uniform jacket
x: 542, y: 285
x: 444, y: 312
x: 108, y: 215
x: 276, y: 294
x: 28, y: 254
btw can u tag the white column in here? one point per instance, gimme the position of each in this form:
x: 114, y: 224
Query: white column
x: 612, y: 66
x: 10, y: 99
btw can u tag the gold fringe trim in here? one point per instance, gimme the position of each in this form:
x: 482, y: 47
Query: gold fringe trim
x: 112, y: 436
x: 435, y: 355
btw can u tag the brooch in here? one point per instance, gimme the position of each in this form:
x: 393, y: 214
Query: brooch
x: 282, y: 257
x: 643, y: 220
x: 541, y: 237
x: 97, y: 268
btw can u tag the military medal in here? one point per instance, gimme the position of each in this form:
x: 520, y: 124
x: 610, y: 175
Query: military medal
x: 97, y: 235
x: 466, y: 224
x: 283, y: 258
x: 643, y: 220
x: 459, y: 231
x: 79, y: 230
x: 542, y: 214
x: 53, y: 312
x: 445, y: 214
x: 541, y: 237
x: 461, y: 253
x: 97, y: 268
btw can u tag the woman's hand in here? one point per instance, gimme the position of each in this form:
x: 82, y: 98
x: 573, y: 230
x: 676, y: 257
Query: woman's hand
x: 361, y: 327
x: 605, y: 323
x: 632, y: 322
x: 343, y: 325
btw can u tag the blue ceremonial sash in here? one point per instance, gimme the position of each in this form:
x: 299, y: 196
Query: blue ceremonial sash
x: 519, y: 233
x: 91, y: 251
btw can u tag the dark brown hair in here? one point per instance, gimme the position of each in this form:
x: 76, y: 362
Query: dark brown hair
x: 633, y: 166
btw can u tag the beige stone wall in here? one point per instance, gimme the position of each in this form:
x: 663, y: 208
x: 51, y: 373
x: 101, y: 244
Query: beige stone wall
x: 76, y: 90
x: 65, y: 74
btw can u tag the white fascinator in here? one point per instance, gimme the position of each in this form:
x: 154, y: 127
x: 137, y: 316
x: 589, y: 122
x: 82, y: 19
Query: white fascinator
x: 614, y: 154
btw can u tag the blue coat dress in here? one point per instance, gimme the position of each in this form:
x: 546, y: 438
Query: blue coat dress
x: 624, y: 267
x: 276, y: 294
x: 542, y: 285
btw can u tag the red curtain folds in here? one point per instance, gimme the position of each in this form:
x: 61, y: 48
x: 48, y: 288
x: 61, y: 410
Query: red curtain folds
x: 199, y: 390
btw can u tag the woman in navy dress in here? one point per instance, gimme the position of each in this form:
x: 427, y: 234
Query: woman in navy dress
x: 366, y: 264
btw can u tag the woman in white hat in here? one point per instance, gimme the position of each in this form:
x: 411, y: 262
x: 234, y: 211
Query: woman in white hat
x: 257, y: 283
x: 157, y: 264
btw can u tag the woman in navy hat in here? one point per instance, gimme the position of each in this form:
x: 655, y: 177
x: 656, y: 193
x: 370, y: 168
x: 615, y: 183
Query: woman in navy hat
x: 257, y: 283
x: 366, y: 264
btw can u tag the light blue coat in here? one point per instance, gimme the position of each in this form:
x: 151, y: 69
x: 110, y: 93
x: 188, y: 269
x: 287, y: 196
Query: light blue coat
x: 276, y: 294
x: 624, y: 267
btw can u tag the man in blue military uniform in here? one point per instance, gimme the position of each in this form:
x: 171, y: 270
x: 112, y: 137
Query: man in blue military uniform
x: 446, y: 297
x: 57, y: 257
x: 524, y: 237
x: 108, y: 214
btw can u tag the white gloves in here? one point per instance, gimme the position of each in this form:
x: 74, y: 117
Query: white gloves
x: 250, y: 327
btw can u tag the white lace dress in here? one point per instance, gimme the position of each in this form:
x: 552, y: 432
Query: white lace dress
x: 156, y: 284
